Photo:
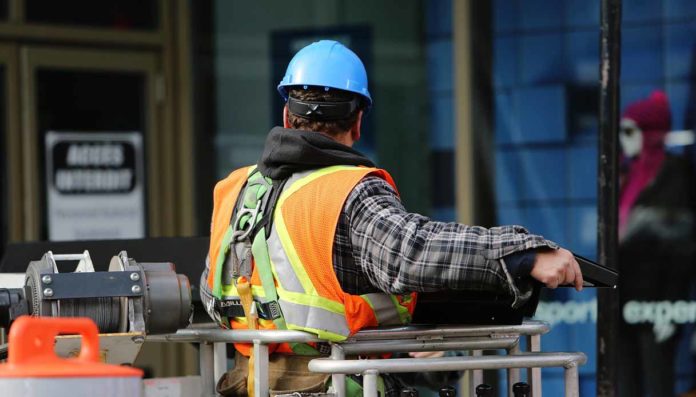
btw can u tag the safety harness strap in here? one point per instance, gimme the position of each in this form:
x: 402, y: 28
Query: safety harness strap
x: 259, y: 249
x: 355, y: 389
x: 250, y: 222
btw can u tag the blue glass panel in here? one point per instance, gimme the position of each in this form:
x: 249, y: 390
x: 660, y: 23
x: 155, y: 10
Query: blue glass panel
x: 505, y: 15
x: 633, y: 92
x: 543, y: 173
x: 553, y: 384
x: 438, y: 17
x: 641, y: 52
x: 510, y: 215
x: 541, y: 14
x: 582, y: 176
x: 507, y: 126
x: 680, y: 50
x: 641, y: 10
x: 582, y: 55
x: 441, y: 122
x: 583, y: 230
x: 582, y: 13
x: 444, y: 214
x: 548, y: 221
x: 588, y: 382
x: 573, y: 320
x: 439, y: 58
x: 542, y: 58
x: 507, y: 176
x: 678, y: 94
x: 542, y: 114
x: 505, y: 63
x: 680, y: 8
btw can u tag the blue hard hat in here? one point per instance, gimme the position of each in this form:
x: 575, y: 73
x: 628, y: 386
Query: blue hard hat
x: 329, y: 64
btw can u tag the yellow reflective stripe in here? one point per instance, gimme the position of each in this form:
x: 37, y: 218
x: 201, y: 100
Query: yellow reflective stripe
x: 309, y: 178
x: 262, y: 322
x: 282, y: 230
x: 404, y: 315
x: 312, y: 300
x: 384, y: 307
x: 322, y: 334
x: 292, y: 254
x: 281, y: 268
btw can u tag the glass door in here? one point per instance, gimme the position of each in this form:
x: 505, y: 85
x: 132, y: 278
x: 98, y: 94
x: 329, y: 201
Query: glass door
x: 92, y: 127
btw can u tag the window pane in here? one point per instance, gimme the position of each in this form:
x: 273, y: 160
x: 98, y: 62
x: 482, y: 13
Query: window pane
x: 4, y: 9
x: 92, y: 102
x: 545, y: 95
x: 110, y: 14
x: 253, y: 43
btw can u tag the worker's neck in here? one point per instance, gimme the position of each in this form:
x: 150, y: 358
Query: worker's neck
x: 344, y: 138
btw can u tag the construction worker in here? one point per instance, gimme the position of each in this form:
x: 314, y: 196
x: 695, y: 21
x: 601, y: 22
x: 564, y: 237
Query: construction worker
x: 315, y: 238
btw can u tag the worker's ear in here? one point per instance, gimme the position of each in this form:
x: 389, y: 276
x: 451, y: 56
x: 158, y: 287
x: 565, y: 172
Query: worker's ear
x: 355, y: 130
x: 286, y: 123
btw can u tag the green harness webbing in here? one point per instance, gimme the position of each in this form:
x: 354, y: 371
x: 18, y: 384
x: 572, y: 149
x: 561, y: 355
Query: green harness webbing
x: 355, y: 389
x: 258, y: 201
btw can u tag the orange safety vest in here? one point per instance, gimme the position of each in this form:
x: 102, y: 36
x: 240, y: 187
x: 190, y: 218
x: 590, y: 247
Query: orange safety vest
x: 300, y: 248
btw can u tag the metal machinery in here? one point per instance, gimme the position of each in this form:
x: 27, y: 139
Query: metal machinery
x: 130, y: 297
x: 474, y: 339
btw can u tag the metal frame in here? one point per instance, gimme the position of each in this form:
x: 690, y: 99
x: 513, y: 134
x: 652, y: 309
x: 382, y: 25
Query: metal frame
x: 15, y: 221
x: 371, y: 368
x: 395, y: 339
x: 463, y: 96
x: 608, y: 316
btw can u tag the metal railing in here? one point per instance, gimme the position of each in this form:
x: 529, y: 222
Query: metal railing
x: 394, y: 339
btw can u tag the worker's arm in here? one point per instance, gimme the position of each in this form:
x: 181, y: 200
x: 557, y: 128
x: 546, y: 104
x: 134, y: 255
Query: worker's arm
x: 400, y: 251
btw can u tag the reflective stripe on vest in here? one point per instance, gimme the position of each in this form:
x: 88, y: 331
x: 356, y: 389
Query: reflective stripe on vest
x: 300, y: 247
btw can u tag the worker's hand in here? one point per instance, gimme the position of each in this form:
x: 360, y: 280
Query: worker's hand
x: 426, y: 354
x: 556, y: 267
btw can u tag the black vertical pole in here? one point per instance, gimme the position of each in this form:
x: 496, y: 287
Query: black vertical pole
x: 607, y: 237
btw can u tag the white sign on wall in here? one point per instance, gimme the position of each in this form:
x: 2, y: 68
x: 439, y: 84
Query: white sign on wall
x: 95, y: 185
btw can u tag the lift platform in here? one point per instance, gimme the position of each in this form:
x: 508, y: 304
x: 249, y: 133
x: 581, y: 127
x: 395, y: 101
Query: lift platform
x: 473, y: 339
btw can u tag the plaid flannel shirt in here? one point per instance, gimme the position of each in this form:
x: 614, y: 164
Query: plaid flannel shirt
x: 379, y: 246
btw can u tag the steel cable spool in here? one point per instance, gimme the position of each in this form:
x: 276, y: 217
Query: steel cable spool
x: 129, y: 297
x: 39, y: 307
x: 105, y: 312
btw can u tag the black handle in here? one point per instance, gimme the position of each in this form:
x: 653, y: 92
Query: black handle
x: 409, y: 392
x: 520, y: 389
x: 484, y: 390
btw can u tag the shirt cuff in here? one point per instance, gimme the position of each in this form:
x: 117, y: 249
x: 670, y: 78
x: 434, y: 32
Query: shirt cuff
x: 519, y: 264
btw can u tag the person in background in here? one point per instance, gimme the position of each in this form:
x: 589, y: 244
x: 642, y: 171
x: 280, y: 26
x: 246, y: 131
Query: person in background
x: 656, y: 245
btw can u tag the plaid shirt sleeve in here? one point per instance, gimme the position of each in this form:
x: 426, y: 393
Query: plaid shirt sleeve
x: 401, y: 252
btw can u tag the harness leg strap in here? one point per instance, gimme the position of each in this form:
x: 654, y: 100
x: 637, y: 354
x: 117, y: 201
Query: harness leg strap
x: 244, y: 289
